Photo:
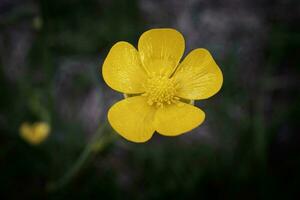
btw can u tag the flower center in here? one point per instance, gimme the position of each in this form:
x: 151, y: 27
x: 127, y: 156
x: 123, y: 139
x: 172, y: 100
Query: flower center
x: 160, y: 90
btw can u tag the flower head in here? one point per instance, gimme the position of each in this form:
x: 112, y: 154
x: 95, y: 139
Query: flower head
x: 158, y: 85
x: 34, y: 133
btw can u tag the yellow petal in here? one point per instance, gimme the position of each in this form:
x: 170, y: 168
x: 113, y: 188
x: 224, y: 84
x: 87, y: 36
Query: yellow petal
x: 122, y: 69
x: 41, y: 132
x: 176, y: 119
x: 133, y: 118
x: 198, y: 76
x: 161, y: 50
x: 25, y: 130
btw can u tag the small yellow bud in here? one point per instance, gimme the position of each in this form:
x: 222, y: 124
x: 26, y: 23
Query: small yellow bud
x: 34, y: 133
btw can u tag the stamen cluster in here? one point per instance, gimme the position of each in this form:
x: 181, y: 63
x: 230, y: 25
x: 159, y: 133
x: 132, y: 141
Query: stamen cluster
x: 160, y: 90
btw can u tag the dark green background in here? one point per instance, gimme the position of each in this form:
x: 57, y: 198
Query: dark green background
x: 248, y: 147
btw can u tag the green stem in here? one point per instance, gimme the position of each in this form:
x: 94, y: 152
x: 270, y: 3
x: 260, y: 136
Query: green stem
x: 96, y: 144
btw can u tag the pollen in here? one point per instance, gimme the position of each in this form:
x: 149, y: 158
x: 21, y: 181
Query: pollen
x: 160, y: 90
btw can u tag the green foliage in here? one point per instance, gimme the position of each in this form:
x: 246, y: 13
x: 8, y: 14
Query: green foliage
x: 244, y: 158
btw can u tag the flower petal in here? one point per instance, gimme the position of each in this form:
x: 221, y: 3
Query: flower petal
x: 122, y: 69
x: 161, y: 50
x: 133, y: 118
x: 198, y: 76
x: 41, y: 131
x: 176, y: 119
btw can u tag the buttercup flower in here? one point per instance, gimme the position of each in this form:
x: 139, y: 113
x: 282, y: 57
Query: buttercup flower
x: 159, y: 87
x: 34, y: 133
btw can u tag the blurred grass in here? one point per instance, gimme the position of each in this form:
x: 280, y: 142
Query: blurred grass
x: 249, y: 157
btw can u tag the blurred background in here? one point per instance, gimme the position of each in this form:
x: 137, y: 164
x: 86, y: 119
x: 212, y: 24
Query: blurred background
x: 51, y: 58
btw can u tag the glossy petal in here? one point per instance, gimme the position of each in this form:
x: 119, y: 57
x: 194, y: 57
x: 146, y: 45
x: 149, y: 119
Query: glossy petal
x: 133, y: 119
x: 176, y: 119
x: 161, y: 50
x: 122, y: 69
x: 198, y: 76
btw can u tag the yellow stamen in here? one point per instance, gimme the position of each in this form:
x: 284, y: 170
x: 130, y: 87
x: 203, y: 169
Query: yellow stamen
x: 160, y: 90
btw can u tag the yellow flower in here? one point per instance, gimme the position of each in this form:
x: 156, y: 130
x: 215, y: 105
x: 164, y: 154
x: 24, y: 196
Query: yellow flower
x: 158, y: 86
x: 34, y: 133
